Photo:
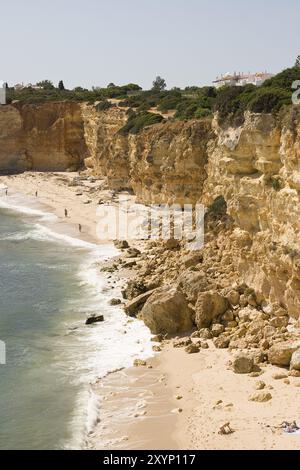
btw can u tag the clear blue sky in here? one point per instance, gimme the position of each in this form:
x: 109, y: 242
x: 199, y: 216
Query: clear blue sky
x: 94, y: 42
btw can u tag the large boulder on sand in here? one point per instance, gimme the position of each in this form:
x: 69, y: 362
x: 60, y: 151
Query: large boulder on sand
x: 243, y: 364
x: 280, y: 354
x: 167, y: 311
x: 295, y: 360
x: 209, y: 306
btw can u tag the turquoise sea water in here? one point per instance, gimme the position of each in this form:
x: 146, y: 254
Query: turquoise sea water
x: 47, y: 286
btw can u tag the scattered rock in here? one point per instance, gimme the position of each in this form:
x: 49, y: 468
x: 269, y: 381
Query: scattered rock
x: 280, y: 354
x: 233, y: 297
x: 140, y: 363
x: 294, y: 373
x: 205, y: 333
x: 133, y: 307
x: 182, y: 342
x: 260, y: 385
x: 279, y: 376
x: 243, y: 364
x: 256, y: 374
x: 94, y: 319
x: 121, y: 244
x: 172, y: 244
x: 192, y: 260
x: 156, y: 348
x: 261, y: 397
x: 217, y: 330
x: 115, y: 302
x: 209, y: 306
x: 222, y: 342
x: 133, y: 253
x: 192, y: 349
x: 177, y: 411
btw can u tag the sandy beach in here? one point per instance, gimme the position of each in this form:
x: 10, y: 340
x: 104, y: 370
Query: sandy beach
x: 189, y: 397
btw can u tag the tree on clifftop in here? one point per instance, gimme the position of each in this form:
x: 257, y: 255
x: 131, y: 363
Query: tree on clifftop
x: 159, y: 84
x: 61, y: 85
x: 46, y: 85
x: 297, y: 63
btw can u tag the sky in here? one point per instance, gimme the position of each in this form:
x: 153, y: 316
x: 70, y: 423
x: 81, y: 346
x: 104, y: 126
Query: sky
x: 187, y: 42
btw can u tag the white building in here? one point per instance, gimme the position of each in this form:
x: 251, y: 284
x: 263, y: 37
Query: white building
x: 2, y: 93
x: 241, y: 79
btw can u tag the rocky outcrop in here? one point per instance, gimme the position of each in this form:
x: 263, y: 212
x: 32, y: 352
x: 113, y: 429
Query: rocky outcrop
x: 44, y: 137
x: 167, y: 311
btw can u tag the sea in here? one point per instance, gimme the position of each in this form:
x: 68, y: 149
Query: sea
x: 49, y: 284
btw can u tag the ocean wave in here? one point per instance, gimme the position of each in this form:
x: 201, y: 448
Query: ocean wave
x: 45, y: 216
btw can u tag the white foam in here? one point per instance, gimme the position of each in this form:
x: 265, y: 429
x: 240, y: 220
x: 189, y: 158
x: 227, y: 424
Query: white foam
x: 9, y: 204
x: 93, y: 352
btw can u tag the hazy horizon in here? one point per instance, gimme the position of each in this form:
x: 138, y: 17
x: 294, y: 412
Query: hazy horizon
x: 186, y: 42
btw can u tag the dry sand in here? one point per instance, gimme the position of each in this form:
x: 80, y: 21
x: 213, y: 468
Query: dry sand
x: 139, y: 404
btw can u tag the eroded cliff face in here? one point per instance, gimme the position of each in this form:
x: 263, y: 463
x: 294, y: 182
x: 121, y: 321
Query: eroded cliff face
x: 256, y: 169
x: 162, y: 164
x: 45, y: 137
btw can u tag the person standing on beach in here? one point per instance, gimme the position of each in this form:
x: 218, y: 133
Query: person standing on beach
x: 66, y: 213
x: 6, y: 192
x: 36, y: 194
x: 80, y: 228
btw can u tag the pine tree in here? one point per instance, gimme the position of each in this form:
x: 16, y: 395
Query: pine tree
x: 159, y: 84
x: 297, y: 63
x: 61, y: 86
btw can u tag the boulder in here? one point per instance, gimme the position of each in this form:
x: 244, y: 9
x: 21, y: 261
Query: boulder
x: 217, y: 330
x: 193, y: 282
x: 222, y: 342
x: 121, y: 244
x: 280, y: 354
x: 172, y: 244
x: 192, y: 260
x: 192, y: 349
x: 243, y: 364
x: 115, y: 302
x: 261, y: 397
x: 94, y: 319
x: 295, y: 360
x: 167, y: 311
x: 182, y: 342
x: 133, y: 307
x: 133, y: 253
x: 209, y: 306
x: 233, y: 297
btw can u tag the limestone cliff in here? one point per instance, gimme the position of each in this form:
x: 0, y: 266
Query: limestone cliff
x: 162, y: 164
x: 256, y: 169
x: 44, y: 137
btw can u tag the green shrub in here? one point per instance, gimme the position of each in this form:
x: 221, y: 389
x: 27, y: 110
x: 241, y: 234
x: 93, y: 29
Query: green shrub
x: 218, y: 207
x: 104, y: 105
x: 137, y: 121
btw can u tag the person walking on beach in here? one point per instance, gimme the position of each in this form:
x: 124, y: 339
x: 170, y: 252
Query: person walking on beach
x: 80, y: 228
x: 36, y: 194
x: 66, y: 213
x: 6, y: 192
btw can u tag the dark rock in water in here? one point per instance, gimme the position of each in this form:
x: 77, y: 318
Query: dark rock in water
x: 115, y: 302
x: 94, y: 319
